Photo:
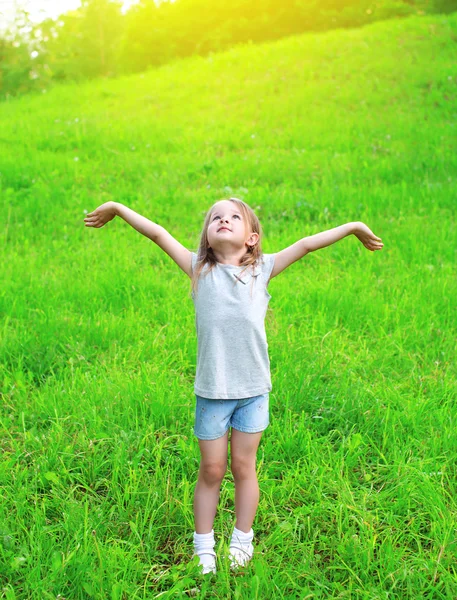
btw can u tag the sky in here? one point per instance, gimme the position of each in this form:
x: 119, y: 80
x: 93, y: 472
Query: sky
x: 41, y: 9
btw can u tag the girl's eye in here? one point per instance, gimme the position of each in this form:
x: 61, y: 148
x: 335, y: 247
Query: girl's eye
x: 237, y: 216
x: 216, y: 217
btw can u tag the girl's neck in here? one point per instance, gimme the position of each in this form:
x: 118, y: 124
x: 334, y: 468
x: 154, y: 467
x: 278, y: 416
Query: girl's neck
x: 229, y: 259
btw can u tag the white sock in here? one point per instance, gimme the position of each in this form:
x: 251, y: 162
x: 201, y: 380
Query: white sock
x: 204, y: 548
x: 242, y: 537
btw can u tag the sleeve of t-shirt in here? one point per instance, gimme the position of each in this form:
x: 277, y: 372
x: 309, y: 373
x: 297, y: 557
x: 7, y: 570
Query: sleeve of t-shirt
x: 194, y: 260
x: 267, y: 266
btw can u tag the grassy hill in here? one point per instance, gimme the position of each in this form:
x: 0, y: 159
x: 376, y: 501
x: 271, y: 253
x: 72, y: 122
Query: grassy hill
x: 97, y: 353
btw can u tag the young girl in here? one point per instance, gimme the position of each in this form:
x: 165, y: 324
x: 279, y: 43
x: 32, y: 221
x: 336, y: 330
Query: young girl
x: 230, y: 277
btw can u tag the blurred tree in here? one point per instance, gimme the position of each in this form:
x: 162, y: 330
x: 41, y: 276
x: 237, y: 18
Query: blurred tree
x: 147, y: 39
x: 85, y: 42
x: 445, y: 6
x: 15, y: 67
x: 98, y: 40
x: 19, y: 71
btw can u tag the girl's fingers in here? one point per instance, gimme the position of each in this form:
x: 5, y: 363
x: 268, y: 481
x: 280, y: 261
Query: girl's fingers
x: 373, y: 247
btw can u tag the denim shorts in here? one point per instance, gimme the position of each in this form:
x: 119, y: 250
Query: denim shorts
x: 214, y: 417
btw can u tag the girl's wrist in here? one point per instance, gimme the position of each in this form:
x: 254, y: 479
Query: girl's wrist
x: 116, y: 206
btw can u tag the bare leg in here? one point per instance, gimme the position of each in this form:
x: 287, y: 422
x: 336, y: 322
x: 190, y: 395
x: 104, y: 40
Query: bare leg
x: 213, y: 466
x: 243, y: 460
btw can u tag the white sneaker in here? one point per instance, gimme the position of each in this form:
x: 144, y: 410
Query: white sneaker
x: 241, y: 548
x: 207, y: 562
x: 240, y: 555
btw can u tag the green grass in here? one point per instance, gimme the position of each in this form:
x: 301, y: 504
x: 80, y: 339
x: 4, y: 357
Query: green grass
x: 358, y: 468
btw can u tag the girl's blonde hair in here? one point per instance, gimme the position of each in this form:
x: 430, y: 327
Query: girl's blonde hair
x: 205, y: 255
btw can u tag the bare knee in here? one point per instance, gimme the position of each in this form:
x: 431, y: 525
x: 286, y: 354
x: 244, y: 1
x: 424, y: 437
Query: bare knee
x: 243, y: 467
x: 213, y: 473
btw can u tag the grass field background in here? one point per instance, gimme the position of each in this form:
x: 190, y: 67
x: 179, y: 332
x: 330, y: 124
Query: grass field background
x: 357, y: 470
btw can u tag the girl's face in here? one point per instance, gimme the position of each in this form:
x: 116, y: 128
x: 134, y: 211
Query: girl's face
x: 228, y: 227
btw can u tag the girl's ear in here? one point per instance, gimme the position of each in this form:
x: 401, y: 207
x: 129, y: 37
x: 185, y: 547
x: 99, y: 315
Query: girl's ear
x: 252, y: 239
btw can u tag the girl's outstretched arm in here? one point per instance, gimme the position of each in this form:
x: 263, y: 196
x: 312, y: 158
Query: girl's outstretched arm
x: 104, y: 213
x: 326, y: 238
x: 312, y: 243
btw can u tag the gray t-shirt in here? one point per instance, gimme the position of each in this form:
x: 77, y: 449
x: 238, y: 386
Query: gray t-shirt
x: 232, y: 357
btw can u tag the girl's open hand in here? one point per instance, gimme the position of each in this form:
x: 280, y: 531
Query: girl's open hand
x: 367, y: 237
x: 101, y: 215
